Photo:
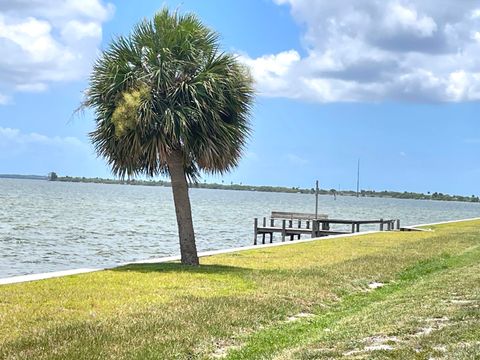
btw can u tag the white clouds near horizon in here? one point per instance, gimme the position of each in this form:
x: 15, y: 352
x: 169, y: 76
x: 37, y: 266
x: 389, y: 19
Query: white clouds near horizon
x: 24, y: 152
x: 47, y: 41
x: 400, y: 50
x: 11, y: 138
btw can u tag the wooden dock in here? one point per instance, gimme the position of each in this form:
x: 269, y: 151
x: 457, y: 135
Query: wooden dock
x: 294, y: 225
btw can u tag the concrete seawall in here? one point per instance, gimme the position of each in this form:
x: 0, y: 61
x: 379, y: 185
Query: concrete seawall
x: 55, y: 274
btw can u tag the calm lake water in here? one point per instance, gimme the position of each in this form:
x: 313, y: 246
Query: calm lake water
x: 50, y: 226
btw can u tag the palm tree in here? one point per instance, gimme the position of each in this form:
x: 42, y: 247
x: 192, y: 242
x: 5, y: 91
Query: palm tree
x: 168, y: 101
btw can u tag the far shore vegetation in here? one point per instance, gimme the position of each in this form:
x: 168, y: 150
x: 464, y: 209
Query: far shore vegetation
x: 263, y: 188
x: 396, y: 295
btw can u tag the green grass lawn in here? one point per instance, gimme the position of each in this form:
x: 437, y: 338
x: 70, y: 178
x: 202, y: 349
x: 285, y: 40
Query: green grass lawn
x: 302, y: 301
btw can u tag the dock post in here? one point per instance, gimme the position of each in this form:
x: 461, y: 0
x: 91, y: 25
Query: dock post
x: 284, y: 232
x: 290, y: 225
x: 353, y: 228
x: 272, y: 224
x: 263, y: 234
x: 255, y: 231
x: 398, y: 224
x: 381, y: 224
x: 358, y: 227
x: 314, y: 228
x: 299, y: 226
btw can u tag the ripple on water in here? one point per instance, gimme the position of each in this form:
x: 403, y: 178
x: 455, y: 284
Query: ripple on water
x: 50, y: 226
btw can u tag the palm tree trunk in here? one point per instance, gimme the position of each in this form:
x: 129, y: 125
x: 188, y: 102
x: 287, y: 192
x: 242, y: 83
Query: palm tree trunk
x: 188, y: 249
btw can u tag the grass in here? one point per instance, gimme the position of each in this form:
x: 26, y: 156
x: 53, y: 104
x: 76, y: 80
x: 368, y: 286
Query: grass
x: 246, y: 305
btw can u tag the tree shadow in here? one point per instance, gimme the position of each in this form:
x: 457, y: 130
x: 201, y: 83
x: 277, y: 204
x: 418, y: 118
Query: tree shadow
x: 179, y: 268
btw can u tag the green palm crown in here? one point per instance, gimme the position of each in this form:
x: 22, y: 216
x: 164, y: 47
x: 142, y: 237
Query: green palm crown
x: 167, y: 88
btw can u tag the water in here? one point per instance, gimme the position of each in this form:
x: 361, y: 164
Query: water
x: 50, y: 226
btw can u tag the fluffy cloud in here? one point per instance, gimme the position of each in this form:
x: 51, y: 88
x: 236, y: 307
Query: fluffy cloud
x: 373, y: 50
x: 44, y: 41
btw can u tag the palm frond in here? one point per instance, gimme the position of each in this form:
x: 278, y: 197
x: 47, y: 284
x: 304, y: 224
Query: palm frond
x: 167, y: 87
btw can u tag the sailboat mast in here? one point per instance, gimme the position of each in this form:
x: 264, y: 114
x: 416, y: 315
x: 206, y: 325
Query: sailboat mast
x: 358, y: 178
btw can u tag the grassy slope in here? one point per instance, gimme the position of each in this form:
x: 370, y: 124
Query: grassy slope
x: 237, y: 304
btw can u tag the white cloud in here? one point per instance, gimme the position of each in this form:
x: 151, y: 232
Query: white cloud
x: 406, y: 18
x: 372, y: 50
x: 48, y: 41
x: 32, y: 87
x: 13, y: 139
x: 30, y: 152
x: 270, y: 72
x: 4, y: 100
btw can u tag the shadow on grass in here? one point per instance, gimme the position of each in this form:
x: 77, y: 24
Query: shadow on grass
x: 179, y: 268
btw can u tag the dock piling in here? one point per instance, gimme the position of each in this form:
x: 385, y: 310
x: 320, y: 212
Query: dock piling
x: 315, y: 225
x: 321, y: 226
x: 264, y: 225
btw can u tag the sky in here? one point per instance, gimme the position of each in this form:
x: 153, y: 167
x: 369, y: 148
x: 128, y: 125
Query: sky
x: 394, y: 83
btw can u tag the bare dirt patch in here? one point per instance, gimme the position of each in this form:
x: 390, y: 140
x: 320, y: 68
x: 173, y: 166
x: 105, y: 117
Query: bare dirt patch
x: 222, y: 350
x: 300, y: 316
x: 375, y: 285
x: 375, y: 343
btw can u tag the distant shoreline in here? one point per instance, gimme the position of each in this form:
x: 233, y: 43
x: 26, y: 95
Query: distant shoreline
x: 25, y: 177
x: 241, y: 187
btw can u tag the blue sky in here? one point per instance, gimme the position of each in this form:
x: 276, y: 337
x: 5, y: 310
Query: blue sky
x: 395, y: 84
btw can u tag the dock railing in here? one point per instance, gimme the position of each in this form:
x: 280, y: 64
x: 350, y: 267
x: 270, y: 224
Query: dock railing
x: 294, y: 225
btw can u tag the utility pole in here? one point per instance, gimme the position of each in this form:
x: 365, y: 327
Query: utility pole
x: 316, y: 201
x: 358, y: 178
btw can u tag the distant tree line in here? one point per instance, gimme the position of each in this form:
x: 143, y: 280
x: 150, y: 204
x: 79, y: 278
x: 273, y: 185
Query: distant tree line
x: 26, y: 177
x: 280, y: 189
x: 97, y: 180
x: 418, y: 196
